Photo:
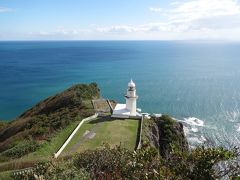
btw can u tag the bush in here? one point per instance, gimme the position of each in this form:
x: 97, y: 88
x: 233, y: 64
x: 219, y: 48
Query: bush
x: 170, y: 134
x: 53, y: 170
x: 2, y: 124
x: 146, y: 163
x: 42, y: 121
x: 20, y: 149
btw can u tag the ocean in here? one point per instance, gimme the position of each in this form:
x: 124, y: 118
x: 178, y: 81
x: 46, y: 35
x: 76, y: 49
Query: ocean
x: 196, y: 82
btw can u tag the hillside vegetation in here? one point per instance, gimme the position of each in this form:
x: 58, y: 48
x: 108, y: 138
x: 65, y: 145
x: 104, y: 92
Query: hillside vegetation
x: 146, y: 163
x: 164, y: 133
x: 2, y: 124
x: 41, y: 122
x: 164, y: 153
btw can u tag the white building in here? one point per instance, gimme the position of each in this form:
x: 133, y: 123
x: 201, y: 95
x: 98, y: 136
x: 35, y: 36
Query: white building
x: 128, y: 110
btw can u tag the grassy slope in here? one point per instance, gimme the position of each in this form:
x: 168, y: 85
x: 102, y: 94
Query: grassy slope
x: 50, y: 115
x: 3, y: 123
x: 112, y: 132
x: 45, y: 121
x: 49, y: 148
x: 107, y: 131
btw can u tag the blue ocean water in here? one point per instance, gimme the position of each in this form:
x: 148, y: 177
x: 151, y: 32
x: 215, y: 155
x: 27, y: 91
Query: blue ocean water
x: 182, y: 78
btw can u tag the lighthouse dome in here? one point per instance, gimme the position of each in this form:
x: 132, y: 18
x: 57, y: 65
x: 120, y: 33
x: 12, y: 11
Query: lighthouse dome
x: 131, y: 84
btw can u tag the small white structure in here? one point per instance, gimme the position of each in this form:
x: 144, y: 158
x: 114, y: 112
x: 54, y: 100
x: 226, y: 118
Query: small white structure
x: 128, y: 110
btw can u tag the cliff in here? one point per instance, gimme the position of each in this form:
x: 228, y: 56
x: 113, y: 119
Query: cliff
x: 72, y: 98
x: 44, y: 119
x: 162, y: 135
x: 39, y: 124
x: 165, y: 134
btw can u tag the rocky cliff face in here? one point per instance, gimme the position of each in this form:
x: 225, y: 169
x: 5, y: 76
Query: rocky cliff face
x: 165, y: 134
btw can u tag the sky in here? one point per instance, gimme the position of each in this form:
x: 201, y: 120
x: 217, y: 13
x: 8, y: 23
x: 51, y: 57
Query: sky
x: 120, y: 20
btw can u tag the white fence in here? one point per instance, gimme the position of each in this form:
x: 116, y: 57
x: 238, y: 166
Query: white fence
x: 73, y: 133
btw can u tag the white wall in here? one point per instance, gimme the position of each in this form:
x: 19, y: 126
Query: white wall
x: 73, y: 133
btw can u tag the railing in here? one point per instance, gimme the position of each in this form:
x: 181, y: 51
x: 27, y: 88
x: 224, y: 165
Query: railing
x: 73, y: 133
x: 23, y: 171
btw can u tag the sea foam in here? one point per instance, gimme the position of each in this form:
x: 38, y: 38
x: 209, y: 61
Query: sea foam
x: 194, y: 121
x: 238, y: 129
x: 192, y: 128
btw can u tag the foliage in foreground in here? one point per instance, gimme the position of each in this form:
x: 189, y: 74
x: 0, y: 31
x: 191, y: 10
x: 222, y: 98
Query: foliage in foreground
x: 20, y: 149
x: 119, y: 163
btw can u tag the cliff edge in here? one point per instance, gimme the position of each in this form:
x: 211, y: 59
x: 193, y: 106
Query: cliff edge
x: 165, y: 134
x: 45, y: 118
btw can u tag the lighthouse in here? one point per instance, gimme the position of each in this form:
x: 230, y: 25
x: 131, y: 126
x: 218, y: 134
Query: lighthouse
x: 131, y: 98
x: 128, y: 110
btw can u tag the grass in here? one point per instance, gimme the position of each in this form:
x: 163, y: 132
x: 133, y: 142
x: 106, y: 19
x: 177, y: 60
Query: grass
x: 6, y: 175
x: 112, y: 132
x: 51, y: 147
x: 88, y: 104
x: 47, y: 149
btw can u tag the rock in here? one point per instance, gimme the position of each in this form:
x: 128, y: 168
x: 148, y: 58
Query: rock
x: 166, y: 134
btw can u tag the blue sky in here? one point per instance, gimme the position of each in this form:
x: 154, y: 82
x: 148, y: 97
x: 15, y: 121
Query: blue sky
x: 119, y: 19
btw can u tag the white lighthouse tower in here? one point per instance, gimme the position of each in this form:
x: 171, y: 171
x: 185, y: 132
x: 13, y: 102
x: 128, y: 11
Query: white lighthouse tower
x: 128, y: 110
x: 131, y: 98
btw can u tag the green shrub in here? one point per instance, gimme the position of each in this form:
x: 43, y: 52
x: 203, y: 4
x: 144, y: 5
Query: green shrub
x: 2, y: 124
x: 21, y: 149
x: 146, y: 163
x: 53, y: 170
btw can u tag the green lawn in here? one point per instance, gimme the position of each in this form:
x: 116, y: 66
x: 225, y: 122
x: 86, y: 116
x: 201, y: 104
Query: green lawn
x: 112, y: 132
